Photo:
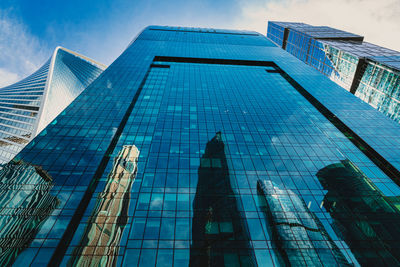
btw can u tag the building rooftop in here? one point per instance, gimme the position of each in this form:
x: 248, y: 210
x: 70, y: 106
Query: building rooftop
x: 320, y: 32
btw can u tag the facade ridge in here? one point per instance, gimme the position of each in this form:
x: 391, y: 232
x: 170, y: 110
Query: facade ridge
x: 101, y: 65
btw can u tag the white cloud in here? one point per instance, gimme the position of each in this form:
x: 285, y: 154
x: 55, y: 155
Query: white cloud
x: 21, y: 53
x: 377, y: 21
x: 7, y: 77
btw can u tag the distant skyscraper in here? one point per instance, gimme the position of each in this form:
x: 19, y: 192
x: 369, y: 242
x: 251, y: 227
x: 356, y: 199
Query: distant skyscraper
x: 203, y: 147
x: 369, y: 71
x: 29, y: 105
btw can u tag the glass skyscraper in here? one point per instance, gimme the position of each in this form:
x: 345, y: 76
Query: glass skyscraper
x: 369, y: 71
x: 29, y: 105
x: 203, y: 147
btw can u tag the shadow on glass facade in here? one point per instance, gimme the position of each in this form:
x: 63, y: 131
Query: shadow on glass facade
x: 99, y: 245
x: 366, y: 219
x: 26, y: 203
x: 219, y: 235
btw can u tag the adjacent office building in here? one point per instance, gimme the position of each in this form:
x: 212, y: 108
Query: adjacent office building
x: 369, y: 71
x: 204, y: 147
x: 29, y: 105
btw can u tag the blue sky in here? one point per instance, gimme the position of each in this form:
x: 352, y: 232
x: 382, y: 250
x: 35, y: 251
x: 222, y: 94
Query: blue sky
x: 101, y: 29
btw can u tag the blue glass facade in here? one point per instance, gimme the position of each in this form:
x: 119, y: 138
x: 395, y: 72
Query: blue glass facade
x: 206, y: 147
x: 29, y: 105
x: 369, y: 71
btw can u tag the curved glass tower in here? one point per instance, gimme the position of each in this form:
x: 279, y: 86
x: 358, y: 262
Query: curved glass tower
x: 29, y: 105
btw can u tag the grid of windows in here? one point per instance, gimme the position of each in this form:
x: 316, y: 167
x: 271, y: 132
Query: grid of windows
x: 188, y: 152
x: 275, y: 33
x: 380, y: 87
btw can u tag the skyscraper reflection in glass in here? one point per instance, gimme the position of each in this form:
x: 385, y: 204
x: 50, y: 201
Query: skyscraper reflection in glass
x: 369, y: 71
x: 204, y: 147
x: 29, y: 105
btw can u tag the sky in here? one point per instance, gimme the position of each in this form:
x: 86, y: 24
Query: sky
x: 102, y: 29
